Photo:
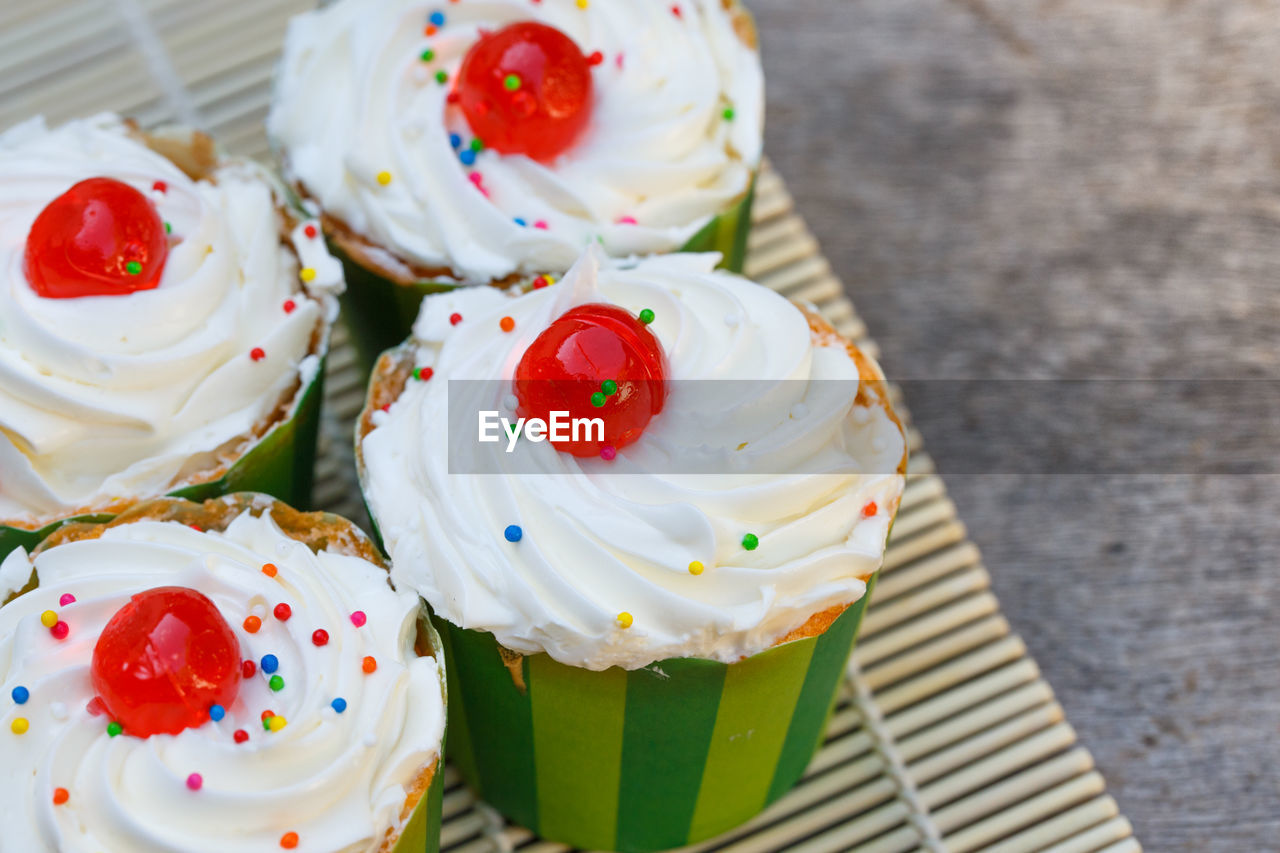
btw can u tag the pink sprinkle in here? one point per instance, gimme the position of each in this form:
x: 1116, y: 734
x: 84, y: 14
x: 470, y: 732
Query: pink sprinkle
x: 541, y: 223
x: 195, y: 781
x: 67, y: 598
x: 607, y: 453
x: 618, y: 60
x: 675, y: 10
x: 475, y: 178
x: 60, y: 630
x: 95, y: 707
x: 627, y: 220
x: 358, y: 619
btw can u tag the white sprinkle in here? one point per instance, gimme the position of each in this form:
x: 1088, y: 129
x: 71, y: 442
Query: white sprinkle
x: 370, y: 740
x: 732, y: 320
x: 58, y: 711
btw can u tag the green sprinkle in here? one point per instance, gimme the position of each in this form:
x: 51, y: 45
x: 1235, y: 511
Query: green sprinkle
x: 477, y: 144
x: 168, y: 229
x: 114, y: 728
x: 266, y: 724
x: 428, y: 55
x: 442, y: 76
x: 609, y: 387
x: 133, y: 268
x: 276, y: 683
x: 728, y: 113
x: 750, y: 541
x: 511, y: 82
x: 597, y: 399
x: 646, y: 316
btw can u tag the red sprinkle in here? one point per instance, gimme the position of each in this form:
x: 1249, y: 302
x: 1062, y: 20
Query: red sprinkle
x: 257, y: 354
x: 358, y: 618
x: 160, y: 187
x: 425, y: 373
x: 675, y: 10
x: 540, y: 282
x: 453, y: 97
x: 95, y: 707
x: 289, y: 306
x: 455, y: 318
x: 240, y: 736
x: 60, y: 630
x: 595, y: 58
x: 310, y: 231
x: 248, y: 669
x: 870, y: 509
x: 283, y: 612
x: 320, y: 637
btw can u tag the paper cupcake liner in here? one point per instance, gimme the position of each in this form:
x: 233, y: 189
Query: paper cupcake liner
x: 280, y: 464
x: 649, y: 759
x: 379, y: 312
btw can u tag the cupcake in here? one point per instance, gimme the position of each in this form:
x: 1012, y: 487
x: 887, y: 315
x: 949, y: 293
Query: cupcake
x: 477, y: 142
x: 645, y: 623
x: 163, y: 325
x: 232, y: 675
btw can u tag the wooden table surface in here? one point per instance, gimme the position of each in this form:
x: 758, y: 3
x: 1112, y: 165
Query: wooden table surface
x: 1071, y: 189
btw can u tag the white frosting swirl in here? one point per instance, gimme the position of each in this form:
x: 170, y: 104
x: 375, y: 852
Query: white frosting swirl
x: 354, y: 99
x: 602, y: 538
x: 338, y: 780
x: 111, y: 397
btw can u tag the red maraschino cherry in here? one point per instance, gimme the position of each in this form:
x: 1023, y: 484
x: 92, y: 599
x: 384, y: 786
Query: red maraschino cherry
x: 526, y: 89
x: 163, y: 660
x: 594, y: 361
x: 99, y: 238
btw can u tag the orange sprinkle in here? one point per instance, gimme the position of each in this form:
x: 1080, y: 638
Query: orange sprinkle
x: 870, y: 509
x: 370, y: 664
x: 507, y: 324
x: 60, y: 796
x: 252, y: 624
x: 289, y: 840
x: 270, y: 570
x: 431, y: 29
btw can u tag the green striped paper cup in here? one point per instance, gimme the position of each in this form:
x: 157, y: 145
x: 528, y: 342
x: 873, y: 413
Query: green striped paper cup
x: 379, y: 312
x: 281, y: 464
x: 648, y: 759
x: 421, y: 833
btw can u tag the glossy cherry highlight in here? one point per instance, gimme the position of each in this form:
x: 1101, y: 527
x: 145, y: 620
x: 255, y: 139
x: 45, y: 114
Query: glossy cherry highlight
x: 594, y: 361
x: 526, y: 89
x: 163, y: 660
x: 100, y: 238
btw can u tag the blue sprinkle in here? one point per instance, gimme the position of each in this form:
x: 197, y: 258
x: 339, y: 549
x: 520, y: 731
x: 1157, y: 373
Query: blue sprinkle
x: 20, y: 695
x: 217, y: 712
x: 437, y: 18
x: 468, y: 157
x: 520, y: 222
x: 513, y: 533
x: 339, y: 704
x: 455, y: 140
x: 270, y: 664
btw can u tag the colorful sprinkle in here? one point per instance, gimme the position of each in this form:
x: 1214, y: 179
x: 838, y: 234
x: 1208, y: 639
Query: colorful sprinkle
x: 511, y: 82
x: 257, y: 354
x: 289, y: 840
x: 267, y: 715
x: 750, y: 541
x: 248, y: 669
x: 270, y: 570
x: 275, y: 724
x: 437, y: 18
x: 541, y: 225
x: 95, y: 708
x: 696, y: 567
x: 541, y: 282
x: 60, y: 796
x: 627, y: 220
x: 384, y: 178
x: 67, y: 598
x: 319, y: 637
x: 339, y: 705
x: 168, y: 228
x: 311, y: 232
x: 870, y: 509
x: 289, y: 306
x: 728, y: 114
x: 19, y: 726
x: 467, y: 157
x: 582, y: 4
x: 609, y: 387
x: 369, y: 665
x: 442, y: 76
x: 431, y: 29
x: 60, y: 630
x: 455, y: 140
x: 276, y: 683
x: 358, y: 618
x: 252, y: 624
x: 133, y: 268
x: 195, y: 782
x: 455, y: 318
x: 595, y: 58
x: 506, y: 324
x: 477, y: 144
x: 675, y: 10
x: 428, y: 55
x: 598, y: 399
x: 625, y: 619
x: 20, y: 695
x: 114, y: 729
x: 422, y: 374
x: 308, y: 274
x: 49, y: 618
x: 269, y: 664
x: 646, y: 316
x: 520, y: 222
x: 160, y: 187
x: 608, y: 453
x: 217, y: 713
x: 282, y: 612
x: 240, y: 736
x: 513, y: 533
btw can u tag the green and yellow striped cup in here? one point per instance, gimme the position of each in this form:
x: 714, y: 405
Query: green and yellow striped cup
x: 641, y: 760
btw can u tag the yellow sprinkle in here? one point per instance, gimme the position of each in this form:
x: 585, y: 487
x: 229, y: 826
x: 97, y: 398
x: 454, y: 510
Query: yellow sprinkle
x: 19, y: 725
x: 48, y: 618
x: 277, y: 723
x: 582, y: 4
x: 624, y: 619
x: 695, y: 568
x: 384, y: 178
x: 308, y: 274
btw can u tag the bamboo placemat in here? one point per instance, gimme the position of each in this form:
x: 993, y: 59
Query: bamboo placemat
x: 945, y: 736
